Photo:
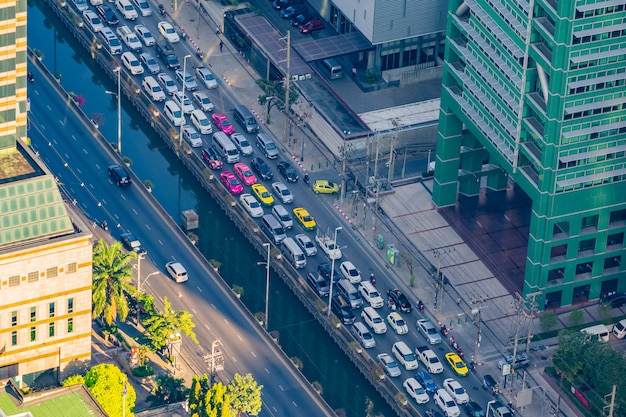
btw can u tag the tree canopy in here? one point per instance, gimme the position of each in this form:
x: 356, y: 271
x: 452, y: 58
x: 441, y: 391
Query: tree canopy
x: 161, y: 325
x: 168, y: 390
x: 245, y: 394
x: 241, y: 395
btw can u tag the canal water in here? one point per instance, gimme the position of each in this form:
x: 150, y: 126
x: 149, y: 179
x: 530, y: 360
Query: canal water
x: 299, y: 334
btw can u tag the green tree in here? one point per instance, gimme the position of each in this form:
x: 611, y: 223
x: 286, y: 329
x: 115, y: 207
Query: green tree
x: 107, y: 384
x: 168, y: 390
x: 245, y: 394
x: 576, y: 316
x: 112, y: 274
x: 216, y: 402
x: 547, y: 320
x: 163, y: 324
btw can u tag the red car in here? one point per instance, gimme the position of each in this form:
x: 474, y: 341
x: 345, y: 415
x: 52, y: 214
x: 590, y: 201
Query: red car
x: 244, y: 173
x: 212, y: 159
x: 311, y: 26
x: 231, y: 182
x: 223, y: 123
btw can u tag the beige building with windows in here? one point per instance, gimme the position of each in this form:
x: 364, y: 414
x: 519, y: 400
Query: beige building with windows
x: 45, y: 249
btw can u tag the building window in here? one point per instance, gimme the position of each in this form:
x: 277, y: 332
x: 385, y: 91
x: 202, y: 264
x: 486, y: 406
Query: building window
x: 71, y: 268
x: 33, y: 276
x: 14, y: 281
x: 33, y: 333
x: 70, y: 305
x: 51, y: 329
x: 70, y: 325
x: 14, y: 338
x: 52, y: 272
x: 13, y: 318
x: 558, y: 251
x: 612, y: 262
x: 590, y: 221
x: 615, y: 239
x: 588, y: 244
x: 52, y: 308
x: 33, y: 314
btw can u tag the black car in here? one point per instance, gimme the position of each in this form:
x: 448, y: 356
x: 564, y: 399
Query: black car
x: 473, y: 410
x: 261, y: 168
x: 318, y: 284
x: 285, y: 168
x: 300, y: 19
x: 131, y: 243
x: 107, y: 15
x: 342, y: 310
x: 490, y: 384
x: 119, y: 176
x: 399, y: 299
x: 292, y: 11
x: 324, y: 270
x: 433, y: 413
x: 616, y: 300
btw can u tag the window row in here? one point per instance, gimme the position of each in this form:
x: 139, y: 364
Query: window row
x: 599, y: 11
x: 32, y: 331
x: 586, y: 245
x: 592, y: 160
x: 598, y: 37
x: 32, y: 312
x: 34, y: 276
x: 596, y: 87
x: 594, y: 112
x: 596, y: 62
x: 556, y: 275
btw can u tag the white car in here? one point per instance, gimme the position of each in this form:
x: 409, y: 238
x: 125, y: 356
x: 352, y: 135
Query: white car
x: 397, y: 323
x: 389, y: 364
x: 185, y: 104
x: 168, y: 32
x: 201, y: 122
x: 251, y: 205
x: 177, y: 271
x: 349, y: 271
x: 207, y: 77
x: 151, y: 64
x: 168, y: 83
x: 282, y: 192
x: 415, y: 390
x: 371, y: 294
x: 192, y: 137
x: 306, y: 244
x: 145, y: 35
x: 429, y: 331
x: 242, y: 144
x: 455, y: 389
x: 132, y: 63
x: 203, y: 101
x: 92, y: 20
x: 373, y: 320
x: 446, y: 403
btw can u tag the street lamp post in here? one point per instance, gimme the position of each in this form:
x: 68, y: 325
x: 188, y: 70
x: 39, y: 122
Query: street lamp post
x: 139, y: 289
x: 267, y: 283
x: 332, y: 271
x: 119, y: 108
x: 182, y: 113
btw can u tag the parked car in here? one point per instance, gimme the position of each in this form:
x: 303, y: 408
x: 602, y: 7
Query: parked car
x: 261, y: 168
x: 298, y: 20
x: 521, y: 360
x: 325, y: 187
x: 292, y: 11
x: 212, y: 158
x: 311, y: 26
x: 282, y: 192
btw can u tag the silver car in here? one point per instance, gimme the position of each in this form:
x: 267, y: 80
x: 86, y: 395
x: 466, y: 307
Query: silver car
x: 151, y: 64
x: 189, y: 81
x: 203, y: 101
x: 282, y: 192
x: 391, y: 367
x: 207, y: 77
x: 168, y: 84
x: 242, y: 144
x: 145, y: 35
x: 429, y: 331
x: 306, y: 244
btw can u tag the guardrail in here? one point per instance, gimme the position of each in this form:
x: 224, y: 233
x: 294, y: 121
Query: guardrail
x: 228, y: 204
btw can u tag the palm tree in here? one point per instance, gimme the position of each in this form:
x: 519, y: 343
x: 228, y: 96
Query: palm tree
x: 112, y: 274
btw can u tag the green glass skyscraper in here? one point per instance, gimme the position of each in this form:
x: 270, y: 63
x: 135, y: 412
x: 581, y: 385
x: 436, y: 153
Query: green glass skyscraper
x: 538, y: 86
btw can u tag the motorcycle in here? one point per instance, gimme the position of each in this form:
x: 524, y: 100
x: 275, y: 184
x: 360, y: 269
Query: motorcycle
x: 372, y: 279
x: 104, y: 225
x: 443, y: 329
x: 162, y: 9
x: 306, y: 179
x: 420, y: 305
x: 199, y: 53
x: 31, y: 77
x: 456, y: 346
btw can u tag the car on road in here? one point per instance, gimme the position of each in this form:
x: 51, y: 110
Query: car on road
x: 473, y: 409
x: 244, y: 173
x: 184, y: 103
x: 426, y: 381
x: 456, y: 391
x: 201, y: 122
x: 143, y: 7
x: 261, y: 168
x: 373, y: 320
x: 241, y: 142
x: 490, y: 384
x: 311, y: 26
x: 131, y: 243
x: 203, y: 101
x: 389, y: 365
x: 325, y: 187
x: 282, y: 192
x: 93, y: 21
x: 306, y: 244
x: 397, y: 323
x: 615, y: 301
x: 177, y: 271
x: 429, y: 331
x: 324, y: 270
x: 168, y: 83
x: 318, y: 284
x: 150, y: 62
x: 231, y: 183
x: 192, y: 137
x: 288, y: 171
x: 168, y: 32
x: 349, y: 272
x: 186, y: 79
x: 304, y: 218
x: 399, y: 300
x: 207, y: 77
x: 457, y: 364
x: 222, y: 123
x: 446, y: 403
x: 521, y: 360
x: 144, y: 34
x: 212, y: 158
x: 415, y: 390
x: 107, y: 15
x: 251, y: 205
x: 131, y: 63
x: 264, y: 196
x: 371, y: 294
x: 119, y: 176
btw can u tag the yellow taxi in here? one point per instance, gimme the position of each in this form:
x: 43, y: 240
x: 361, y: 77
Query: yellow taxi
x: 264, y: 196
x: 325, y: 187
x: 457, y: 364
x: 304, y: 218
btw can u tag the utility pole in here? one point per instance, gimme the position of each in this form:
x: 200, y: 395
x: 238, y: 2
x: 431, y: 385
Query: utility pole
x: 376, y: 180
x: 287, y: 86
x: 533, y: 309
x: 440, y: 278
x: 478, y: 305
x: 342, y: 191
x: 392, y: 144
x: 519, y: 307
x: 215, y: 360
x: 611, y: 405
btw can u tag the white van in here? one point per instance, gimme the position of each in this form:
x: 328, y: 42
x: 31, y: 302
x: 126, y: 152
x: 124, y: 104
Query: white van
x: 619, y: 329
x: 599, y: 330
x: 333, y: 69
x: 110, y: 41
x: 345, y: 288
x: 173, y: 112
x: 404, y: 355
x: 177, y: 271
x: 294, y: 253
x: 126, y: 9
x: 283, y: 216
x: 225, y: 147
x: 273, y: 228
x: 153, y: 89
x: 373, y: 320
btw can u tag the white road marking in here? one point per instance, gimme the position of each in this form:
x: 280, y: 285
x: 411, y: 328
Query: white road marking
x: 253, y: 354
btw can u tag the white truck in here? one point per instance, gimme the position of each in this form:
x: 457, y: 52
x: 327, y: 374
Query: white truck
x: 328, y: 246
x: 129, y: 38
x: 429, y: 359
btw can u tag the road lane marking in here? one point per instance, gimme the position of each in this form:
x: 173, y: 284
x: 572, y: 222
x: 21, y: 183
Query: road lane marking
x: 281, y: 387
x: 253, y: 354
x: 135, y: 211
x: 226, y: 321
x: 267, y: 371
x: 161, y: 243
x: 294, y: 404
x: 240, y: 338
x: 148, y: 227
x: 199, y: 289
